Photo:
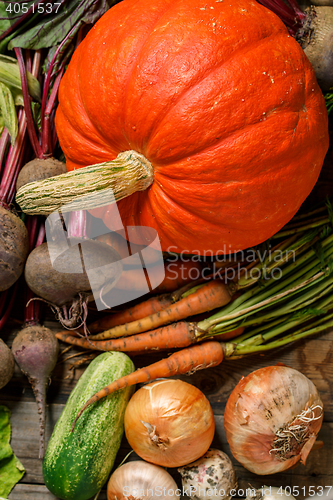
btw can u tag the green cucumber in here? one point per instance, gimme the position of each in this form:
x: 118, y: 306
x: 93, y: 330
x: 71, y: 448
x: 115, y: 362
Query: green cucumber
x: 77, y: 464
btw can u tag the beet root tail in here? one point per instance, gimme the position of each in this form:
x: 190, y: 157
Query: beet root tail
x: 40, y: 390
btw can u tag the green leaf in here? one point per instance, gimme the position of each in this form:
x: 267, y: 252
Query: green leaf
x: 7, y: 19
x: 18, y: 96
x: 8, y: 112
x: 10, y: 76
x: 11, y: 469
x: 20, y: 28
x: 52, y: 29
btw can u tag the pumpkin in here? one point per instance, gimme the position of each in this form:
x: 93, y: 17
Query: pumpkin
x: 220, y: 100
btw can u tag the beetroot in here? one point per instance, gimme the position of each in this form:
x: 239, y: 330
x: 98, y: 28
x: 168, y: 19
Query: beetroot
x: 316, y: 39
x: 38, y: 169
x: 70, y: 280
x: 7, y: 364
x: 14, y: 248
x: 35, y: 349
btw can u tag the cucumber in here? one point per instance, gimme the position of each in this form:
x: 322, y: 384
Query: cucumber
x: 77, y: 464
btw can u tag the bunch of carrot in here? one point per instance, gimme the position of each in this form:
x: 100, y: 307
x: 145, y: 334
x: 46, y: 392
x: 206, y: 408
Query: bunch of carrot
x: 258, y: 311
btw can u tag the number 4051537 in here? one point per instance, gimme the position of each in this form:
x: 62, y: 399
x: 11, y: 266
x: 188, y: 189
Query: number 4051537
x: 24, y: 7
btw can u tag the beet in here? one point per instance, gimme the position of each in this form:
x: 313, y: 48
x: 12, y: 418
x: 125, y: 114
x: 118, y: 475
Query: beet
x: 39, y: 169
x: 35, y: 349
x: 66, y: 282
x: 316, y: 39
x: 14, y: 248
x: 7, y: 364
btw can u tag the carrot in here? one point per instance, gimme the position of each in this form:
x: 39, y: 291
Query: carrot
x: 134, y: 313
x: 174, y: 336
x: 139, y: 311
x: 181, y: 334
x: 204, y: 298
x: 186, y: 361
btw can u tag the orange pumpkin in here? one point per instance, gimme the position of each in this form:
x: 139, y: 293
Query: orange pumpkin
x: 221, y: 101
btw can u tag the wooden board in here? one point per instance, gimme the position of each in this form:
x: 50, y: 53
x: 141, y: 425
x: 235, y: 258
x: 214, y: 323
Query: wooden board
x: 313, y: 357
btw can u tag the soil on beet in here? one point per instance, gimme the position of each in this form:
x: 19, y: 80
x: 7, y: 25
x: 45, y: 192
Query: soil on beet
x: 14, y: 248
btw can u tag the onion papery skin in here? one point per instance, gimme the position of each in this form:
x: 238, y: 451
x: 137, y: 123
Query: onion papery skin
x: 261, y: 404
x: 183, y: 421
x: 138, y: 479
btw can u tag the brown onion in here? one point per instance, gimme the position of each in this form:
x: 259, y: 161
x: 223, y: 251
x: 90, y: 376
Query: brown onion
x: 169, y: 423
x: 272, y: 419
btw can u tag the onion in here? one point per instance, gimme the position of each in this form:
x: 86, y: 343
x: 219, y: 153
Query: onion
x: 169, y: 423
x: 141, y: 480
x: 272, y: 419
x: 211, y: 477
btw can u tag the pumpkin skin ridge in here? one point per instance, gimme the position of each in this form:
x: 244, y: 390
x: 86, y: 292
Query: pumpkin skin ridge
x: 193, y: 212
x: 99, y: 140
x: 218, y: 144
x: 71, y: 165
x: 116, y: 149
x: 154, y: 157
x: 180, y: 233
x: 186, y: 90
x: 163, y: 10
x: 154, y: 199
x: 172, y: 174
x: 155, y: 161
x: 205, y: 217
x: 142, y: 149
x: 190, y: 86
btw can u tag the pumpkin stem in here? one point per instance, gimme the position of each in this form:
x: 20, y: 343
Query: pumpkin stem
x: 88, y: 187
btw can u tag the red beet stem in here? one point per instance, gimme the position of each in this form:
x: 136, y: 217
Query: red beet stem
x: 26, y: 99
x: 48, y: 104
x: 47, y: 138
x: 9, y: 306
x: 33, y: 309
x: 4, y: 138
x: 19, y: 164
x: 15, y: 155
x: 12, y: 158
x: 77, y: 224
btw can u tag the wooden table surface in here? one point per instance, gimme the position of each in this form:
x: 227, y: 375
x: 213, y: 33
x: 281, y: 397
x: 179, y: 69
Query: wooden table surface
x: 313, y: 357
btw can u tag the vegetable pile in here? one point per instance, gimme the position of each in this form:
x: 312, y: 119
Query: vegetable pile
x: 157, y: 134
x: 134, y: 135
